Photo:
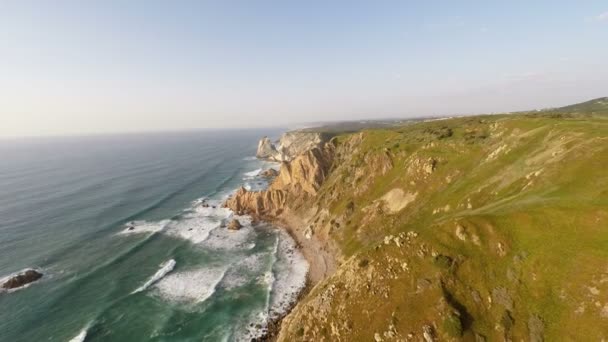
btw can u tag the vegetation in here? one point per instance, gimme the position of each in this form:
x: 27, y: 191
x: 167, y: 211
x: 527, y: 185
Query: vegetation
x: 500, y: 231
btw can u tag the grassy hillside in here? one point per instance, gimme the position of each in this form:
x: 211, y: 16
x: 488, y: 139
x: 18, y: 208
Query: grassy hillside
x: 477, y: 228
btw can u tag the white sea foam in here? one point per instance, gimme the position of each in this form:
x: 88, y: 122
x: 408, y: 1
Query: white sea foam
x: 289, y: 271
x: 285, y: 282
x: 195, y: 228
x: 138, y: 227
x: 225, y: 239
x: 244, y: 271
x: 81, y: 336
x: 252, y: 174
x: 165, y: 268
x: 194, y: 225
x: 191, y: 286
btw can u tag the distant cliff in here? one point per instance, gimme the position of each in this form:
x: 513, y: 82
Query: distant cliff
x: 290, y: 145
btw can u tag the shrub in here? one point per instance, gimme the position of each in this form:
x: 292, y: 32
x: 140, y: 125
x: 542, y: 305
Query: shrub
x: 452, y: 325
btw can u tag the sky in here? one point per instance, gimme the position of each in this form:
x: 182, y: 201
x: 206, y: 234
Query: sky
x: 81, y: 67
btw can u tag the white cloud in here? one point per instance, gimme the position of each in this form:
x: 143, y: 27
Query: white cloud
x: 602, y: 17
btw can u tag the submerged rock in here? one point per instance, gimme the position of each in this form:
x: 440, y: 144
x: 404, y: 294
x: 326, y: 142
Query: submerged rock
x: 21, y: 279
x: 235, y: 225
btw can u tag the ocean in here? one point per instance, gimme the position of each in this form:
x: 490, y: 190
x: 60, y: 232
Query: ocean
x: 127, y: 230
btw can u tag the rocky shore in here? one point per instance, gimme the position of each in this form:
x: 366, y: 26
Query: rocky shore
x: 306, y: 159
x: 297, y: 182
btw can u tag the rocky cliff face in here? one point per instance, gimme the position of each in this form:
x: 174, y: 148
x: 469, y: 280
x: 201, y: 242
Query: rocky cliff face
x: 441, y: 232
x: 266, y: 149
x: 290, y: 145
x: 300, y: 178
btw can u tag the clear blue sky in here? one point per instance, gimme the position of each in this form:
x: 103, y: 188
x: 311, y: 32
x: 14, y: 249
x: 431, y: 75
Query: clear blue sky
x: 103, y: 66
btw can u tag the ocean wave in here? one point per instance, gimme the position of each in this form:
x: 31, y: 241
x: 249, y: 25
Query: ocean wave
x: 191, y: 286
x: 244, y: 271
x: 252, y: 174
x: 195, y: 228
x: 222, y: 239
x: 284, y: 282
x: 165, y: 268
x: 82, y: 335
x: 194, y: 224
x: 138, y: 227
x: 290, y: 271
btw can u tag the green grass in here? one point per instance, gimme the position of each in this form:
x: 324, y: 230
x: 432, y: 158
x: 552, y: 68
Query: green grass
x: 535, y: 227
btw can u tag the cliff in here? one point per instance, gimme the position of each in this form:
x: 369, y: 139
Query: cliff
x: 297, y: 180
x: 290, y: 145
x: 477, y: 229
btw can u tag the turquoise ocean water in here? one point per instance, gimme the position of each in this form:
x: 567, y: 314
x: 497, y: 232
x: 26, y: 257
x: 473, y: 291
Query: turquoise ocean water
x: 66, y: 208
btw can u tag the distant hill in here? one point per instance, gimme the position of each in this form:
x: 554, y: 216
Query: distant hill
x: 595, y: 107
x: 599, y: 105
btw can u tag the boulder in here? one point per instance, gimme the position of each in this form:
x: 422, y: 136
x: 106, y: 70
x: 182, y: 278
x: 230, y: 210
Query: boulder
x: 270, y: 173
x: 21, y: 279
x: 234, y: 225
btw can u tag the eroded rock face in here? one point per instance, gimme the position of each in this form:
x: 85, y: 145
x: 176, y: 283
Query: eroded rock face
x: 299, y: 178
x: 289, y: 146
x: 257, y: 203
x: 270, y: 173
x: 21, y: 279
x: 306, y: 172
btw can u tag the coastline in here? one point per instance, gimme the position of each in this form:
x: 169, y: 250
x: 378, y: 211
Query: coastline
x: 321, y: 265
x: 304, y: 163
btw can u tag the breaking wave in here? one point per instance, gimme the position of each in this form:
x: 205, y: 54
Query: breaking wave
x: 165, y: 268
x: 253, y: 173
x: 82, y: 335
x: 191, y: 286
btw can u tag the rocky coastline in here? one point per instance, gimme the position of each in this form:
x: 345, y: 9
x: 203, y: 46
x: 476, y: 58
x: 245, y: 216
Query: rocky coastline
x: 306, y: 159
x: 435, y: 231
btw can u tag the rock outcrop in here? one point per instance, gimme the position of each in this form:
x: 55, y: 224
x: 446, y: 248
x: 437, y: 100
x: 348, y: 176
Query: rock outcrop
x: 257, y: 203
x: 297, y: 179
x: 21, y: 279
x: 266, y: 149
x: 290, y: 145
x: 306, y: 172
x: 234, y: 225
x: 270, y: 173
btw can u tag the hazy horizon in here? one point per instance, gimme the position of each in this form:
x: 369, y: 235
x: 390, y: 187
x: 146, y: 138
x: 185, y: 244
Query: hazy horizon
x: 71, y: 68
